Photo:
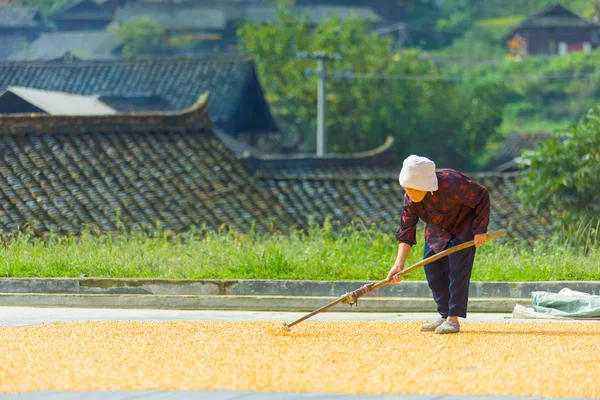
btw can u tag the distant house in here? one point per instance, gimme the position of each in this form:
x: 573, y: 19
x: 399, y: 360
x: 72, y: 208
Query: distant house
x: 388, y: 10
x: 85, y: 15
x: 553, y: 31
x: 207, y: 25
x: 316, y: 14
x: 20, y: 21
x: 18, y: 26
x: 21, y: 100
x: 214, y: 23
x: 237, y: 105
x: 84, y: 44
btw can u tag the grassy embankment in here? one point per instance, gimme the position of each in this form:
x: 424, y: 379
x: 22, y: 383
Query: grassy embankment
x: 320, y: 255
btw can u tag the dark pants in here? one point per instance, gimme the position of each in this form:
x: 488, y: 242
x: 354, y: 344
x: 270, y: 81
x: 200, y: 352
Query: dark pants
x: 449, y: 279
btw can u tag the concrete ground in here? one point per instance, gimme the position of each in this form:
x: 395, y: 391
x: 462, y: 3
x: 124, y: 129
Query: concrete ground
x: 22, y: 316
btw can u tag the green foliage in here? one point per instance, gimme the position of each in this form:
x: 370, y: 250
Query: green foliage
x: 184, y: 41
x: 563, y: 175
x: 481, y: 9
x: 458, y: 21
x: 542, y: 93
x: 320, y: 254
x: 478, y: 45
x: 477, y: 26
x: 422, y: 17
x: 363, y: 111
x: 497, y: 27
x: 142, y: 36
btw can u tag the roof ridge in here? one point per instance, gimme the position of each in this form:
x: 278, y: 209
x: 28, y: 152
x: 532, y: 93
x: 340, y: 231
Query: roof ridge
x: 221, y: 58
x: 379, y: 157
x: 377, y: 176
x: 14, y: 124
x: 540, y: 13
x: 386, y: 146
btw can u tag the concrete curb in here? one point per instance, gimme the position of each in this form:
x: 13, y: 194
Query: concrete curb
x: 243, y: 287
x: 245, y: 303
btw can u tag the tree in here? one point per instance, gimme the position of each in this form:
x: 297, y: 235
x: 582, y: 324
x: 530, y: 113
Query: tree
x: 142, y: 36
x: 427, y: 116
x: 481, y: 9
x: 563, y: 175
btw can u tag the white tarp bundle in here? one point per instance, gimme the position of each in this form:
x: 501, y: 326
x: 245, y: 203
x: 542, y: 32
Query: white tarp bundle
x: 566, y: 304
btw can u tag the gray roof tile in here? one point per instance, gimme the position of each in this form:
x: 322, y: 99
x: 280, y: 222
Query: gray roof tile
x: 64, y: 173
x: 231, y: 81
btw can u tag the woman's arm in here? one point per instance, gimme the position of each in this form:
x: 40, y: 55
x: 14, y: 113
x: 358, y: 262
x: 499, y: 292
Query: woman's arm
x: 403, y: 250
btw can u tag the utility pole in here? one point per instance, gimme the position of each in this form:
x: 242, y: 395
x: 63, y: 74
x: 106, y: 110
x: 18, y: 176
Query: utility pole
x: 321, y: 57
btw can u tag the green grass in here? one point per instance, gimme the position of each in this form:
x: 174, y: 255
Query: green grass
x: 499, y: 26
x: 320, y: 255
x: 513, y: 124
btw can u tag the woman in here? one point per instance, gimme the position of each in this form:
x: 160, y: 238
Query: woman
x: 456, y: 210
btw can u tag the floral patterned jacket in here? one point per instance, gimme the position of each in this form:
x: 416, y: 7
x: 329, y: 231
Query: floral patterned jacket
x: 460, y: 207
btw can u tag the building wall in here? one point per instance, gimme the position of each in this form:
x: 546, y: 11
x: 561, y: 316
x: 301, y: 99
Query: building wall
x: 546, y: 41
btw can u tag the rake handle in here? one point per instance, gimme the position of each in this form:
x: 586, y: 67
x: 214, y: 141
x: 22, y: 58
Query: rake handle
x: 325, y: 307
x: 437, y: 256
x: 428, y: 260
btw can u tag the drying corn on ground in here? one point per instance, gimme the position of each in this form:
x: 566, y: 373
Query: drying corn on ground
x: 529, y: 359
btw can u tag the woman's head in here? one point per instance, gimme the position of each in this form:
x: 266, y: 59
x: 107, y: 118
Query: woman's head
x: 418, y: 177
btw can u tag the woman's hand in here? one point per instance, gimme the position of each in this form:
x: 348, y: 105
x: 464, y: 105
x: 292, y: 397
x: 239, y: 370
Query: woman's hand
x: 480, y: 239
x: 392, y: 277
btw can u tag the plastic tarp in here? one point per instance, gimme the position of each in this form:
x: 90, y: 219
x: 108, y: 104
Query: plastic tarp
x: 566, y: 304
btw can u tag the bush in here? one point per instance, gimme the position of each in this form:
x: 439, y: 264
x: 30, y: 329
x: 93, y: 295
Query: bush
x: 142, y: 36
x: 564, y: 174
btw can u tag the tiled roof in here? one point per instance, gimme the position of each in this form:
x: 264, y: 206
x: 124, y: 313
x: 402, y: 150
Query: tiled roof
x: 376, y: 162
x: 365, y: 186
x: 64, y: 172
x: 18, y: 17
x: 58, y: 103
x: 378, y: 200
x: 231, y: 81
x: 96, y: 10
x: 512, y: 148
x: 61, y: 173
x: 175, y: 16
x: 89, y: 44
x: 553, y: 16
x: 217, y: 15
x: 138, y: 103
x: 316, y: 14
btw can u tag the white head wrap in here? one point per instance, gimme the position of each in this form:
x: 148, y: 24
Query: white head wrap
x: 419, y: 173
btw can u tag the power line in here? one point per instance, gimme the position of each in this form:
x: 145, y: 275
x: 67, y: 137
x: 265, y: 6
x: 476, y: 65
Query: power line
x: 404, y: 77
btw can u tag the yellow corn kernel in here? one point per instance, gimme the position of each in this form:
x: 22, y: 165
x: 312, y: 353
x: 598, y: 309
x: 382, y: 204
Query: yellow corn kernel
x: 558, y: 359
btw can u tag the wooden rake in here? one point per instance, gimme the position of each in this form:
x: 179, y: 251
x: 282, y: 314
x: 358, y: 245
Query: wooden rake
x: 352, y: 297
